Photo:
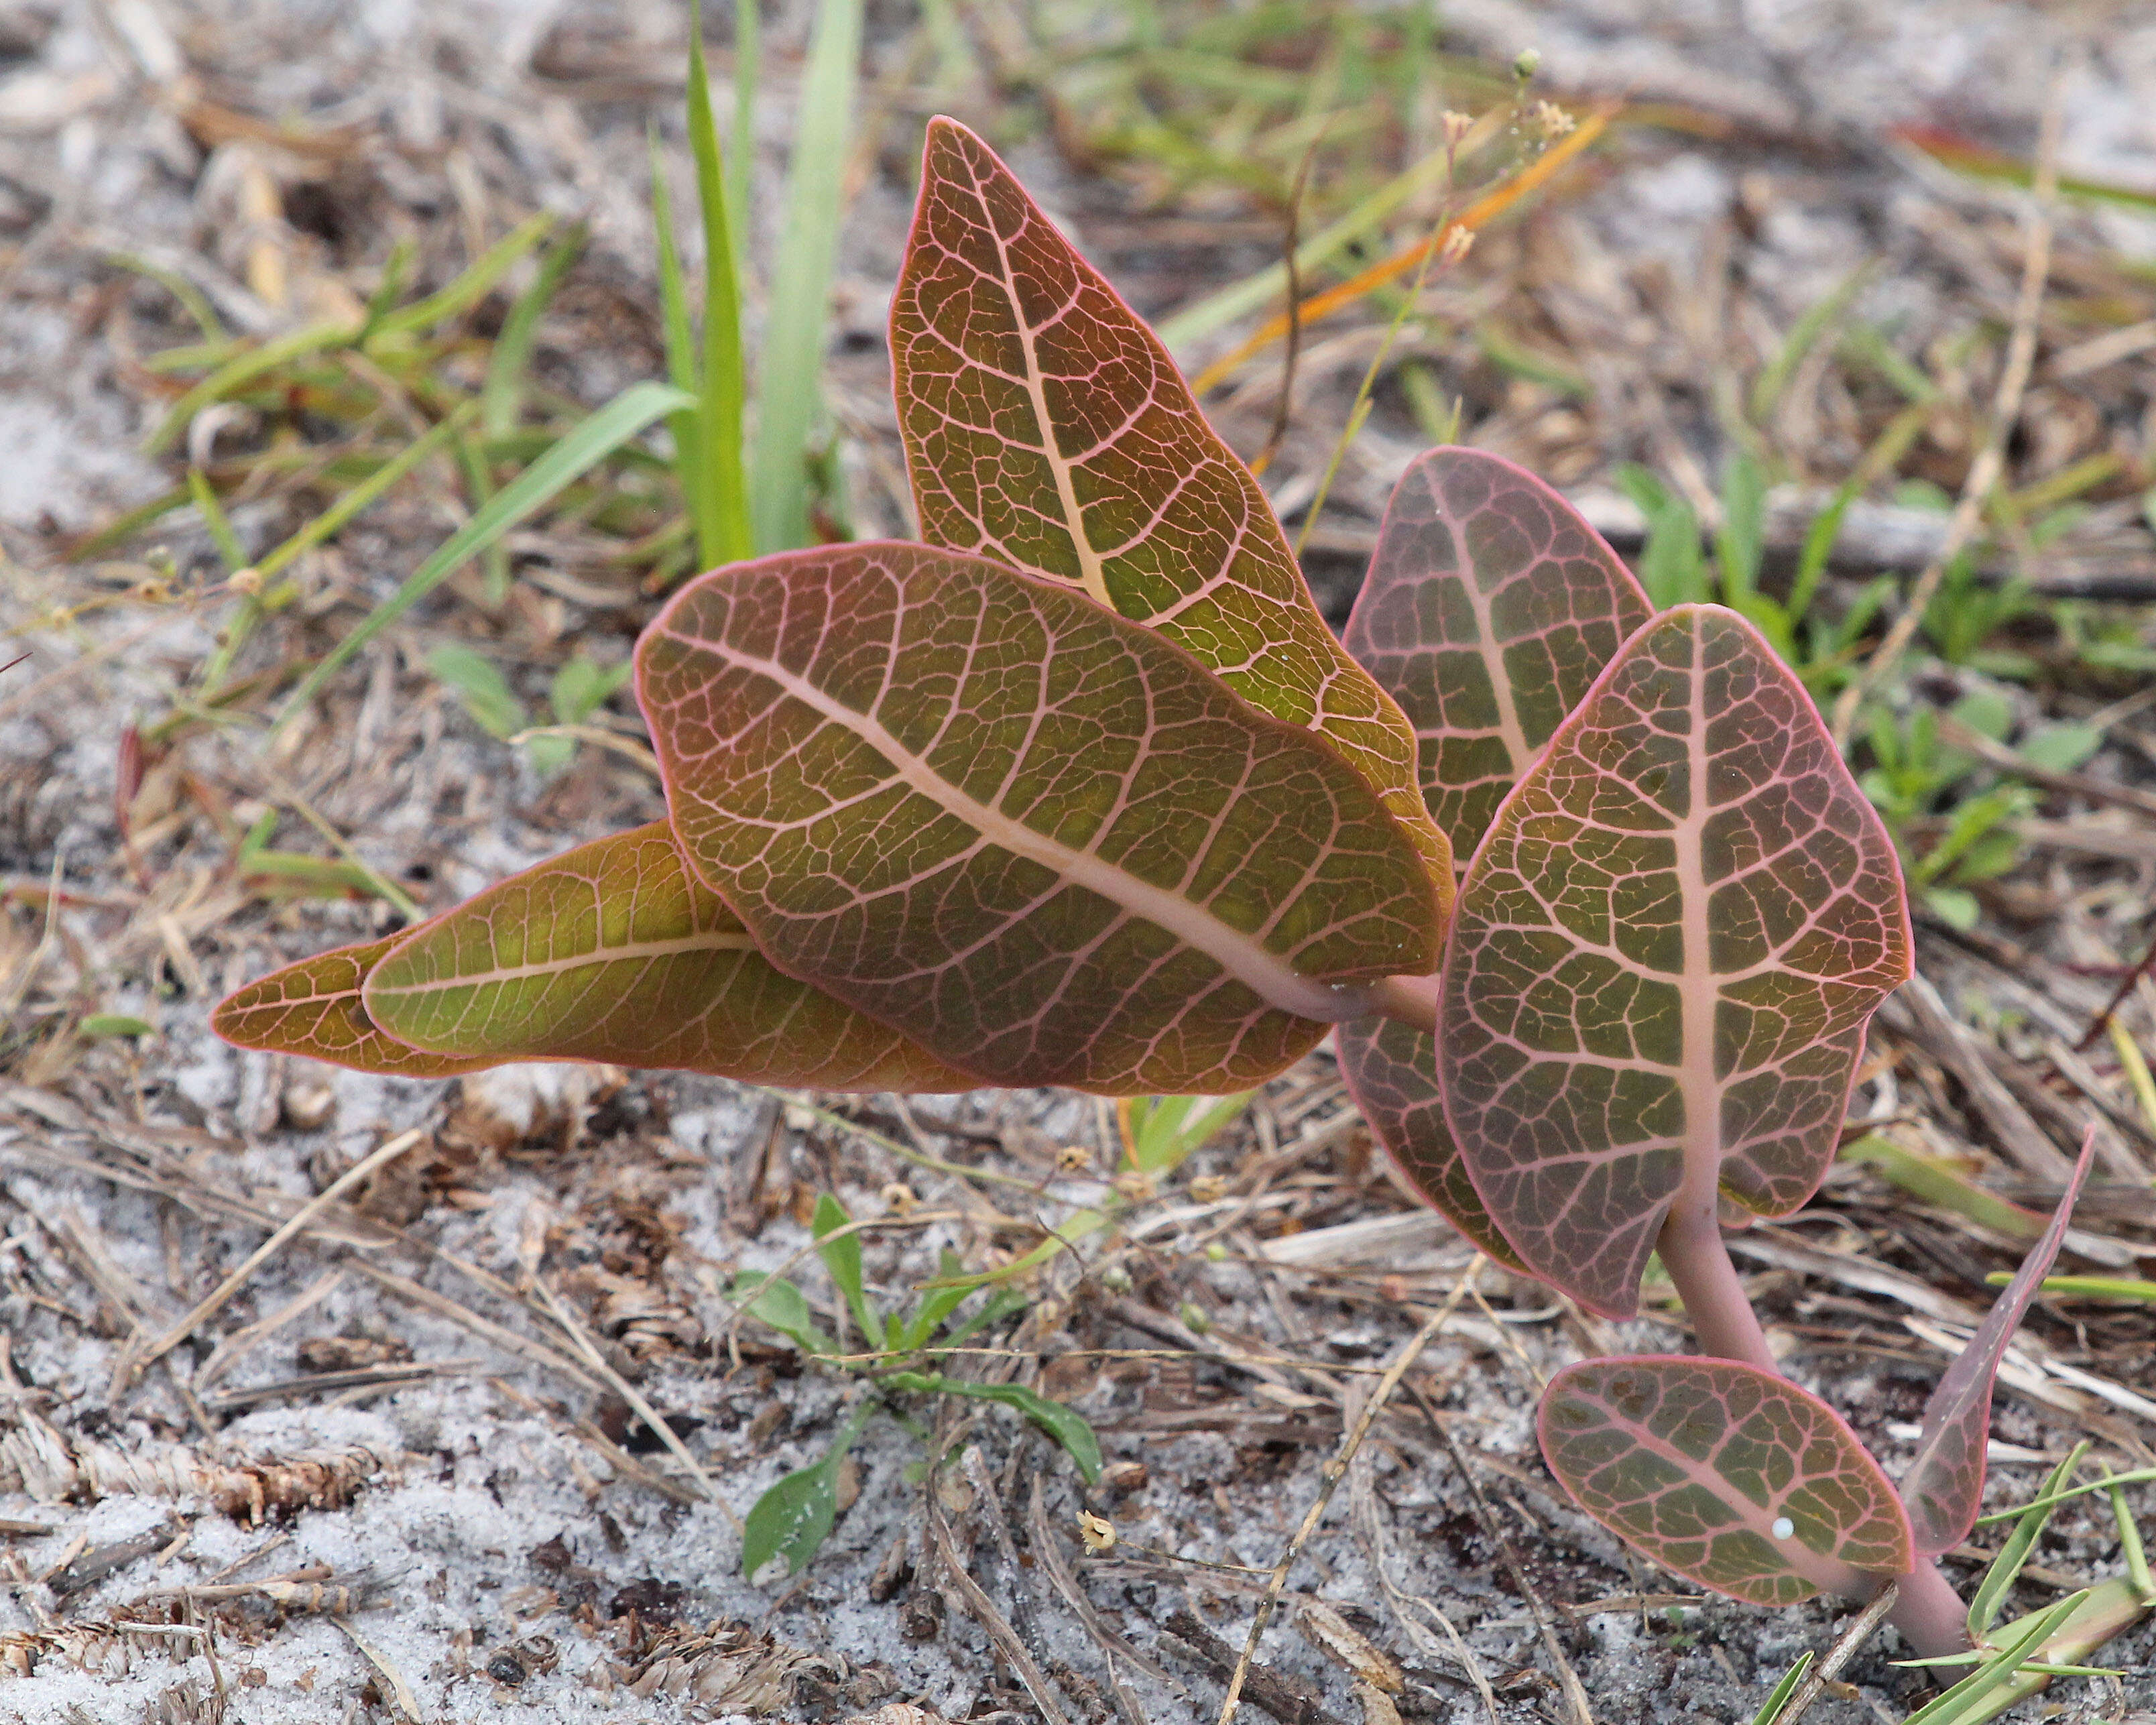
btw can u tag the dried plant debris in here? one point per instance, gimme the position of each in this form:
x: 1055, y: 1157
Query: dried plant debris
x: 1778, y: 275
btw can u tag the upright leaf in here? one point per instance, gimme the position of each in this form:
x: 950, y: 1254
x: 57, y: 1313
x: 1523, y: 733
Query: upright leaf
x: 1664, y: 957
x: 1046, y: 426
x: 1039, y: 837
x: 1944, y: 1485
x: 1729, y: 1476
x: 615, y: 952
x: 1489, y: 609
x: 313, y: 1008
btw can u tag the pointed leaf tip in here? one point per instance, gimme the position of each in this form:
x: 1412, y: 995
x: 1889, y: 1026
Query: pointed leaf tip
x: 1664, y: 957
x: 1729, y: 1476
x: 1043, y: 840
x: 1944, y: 1488
x: 313, y: 1008
x: 1045, y: 426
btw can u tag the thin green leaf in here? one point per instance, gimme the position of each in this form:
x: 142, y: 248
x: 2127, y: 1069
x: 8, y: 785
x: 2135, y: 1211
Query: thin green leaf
x: 1068, y: 1428
x: 214, y: 519
x: 502, y: 397
x: 1779, y: 1696
x: 582, y: 686
x: 842, y: 1258
x: 575, y: 454
x: 789, y: 391
x: 748, y: 65
x: 722, y: 517
x: 1959, y: 1703
x: 1004, y: 1302
x: 686, y: 425
x: 783, y: 1306
x: 1166, y: 1131
x: 1983, y: 1607
x: 236, y: 373
x: 116, y: 1024
x: 1743, y: 535
x: 938, y: 1302
x: 471, y: 285
x: 478, y: 680
x: 793, y: 1518
x: 2135, y: 1476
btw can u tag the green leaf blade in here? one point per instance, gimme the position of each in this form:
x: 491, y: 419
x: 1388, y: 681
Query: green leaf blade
x: 1664, y: 958
x: 974, y: 805
x: 1728, y: 1476
x: 1045, y: 426
x: 616, y: 951
x: 1490, y: 608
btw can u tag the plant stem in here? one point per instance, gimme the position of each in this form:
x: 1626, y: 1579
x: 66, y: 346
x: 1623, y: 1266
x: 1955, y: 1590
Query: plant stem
x: 1929, y: 1613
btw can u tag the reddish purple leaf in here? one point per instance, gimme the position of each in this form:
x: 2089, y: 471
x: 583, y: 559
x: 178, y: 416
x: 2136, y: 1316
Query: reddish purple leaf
x: 1664, y: 957
x: 1047, y: 843
x: 313, y: 1008
x: 1045, y: 426
x: 1489, y: 609
x: 616, y: 951
x: 1944, y: 1485
x: 1727, y: 1475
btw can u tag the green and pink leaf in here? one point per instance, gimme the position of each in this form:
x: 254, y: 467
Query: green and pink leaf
x: 1489, y: 609
x: 1046, y: 427
x: 1728, y: 1476
x: 1044, y: 841
x: 1664, y: 957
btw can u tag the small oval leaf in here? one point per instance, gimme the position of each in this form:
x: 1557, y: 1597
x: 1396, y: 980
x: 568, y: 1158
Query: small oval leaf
x: 1490, y: 608
x: 1041, y: 838
x: 313, y: 1008
x: 616, y: 951
x: 1664, y: 955
x: 1045, y: 426
x: 1727, y: 1475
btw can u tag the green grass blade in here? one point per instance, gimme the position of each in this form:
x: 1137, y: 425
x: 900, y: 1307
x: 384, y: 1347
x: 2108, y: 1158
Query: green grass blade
x: 472, y: 285
x: 577, y: 453
x: 501, y: 397
x: 243, y: 369
x: 2090, y: 1287
x: 215, y: 520
x: 687, y: 426
x: 2134, y: 1476
x: 741, y: 168
x: 2006, y: 1568
x: 725, y: 533
x: 790, y: 383
x: 1779, y: 1696
x: 333, y: 518
x: 842, y: 1259
x: 1962, y: 1702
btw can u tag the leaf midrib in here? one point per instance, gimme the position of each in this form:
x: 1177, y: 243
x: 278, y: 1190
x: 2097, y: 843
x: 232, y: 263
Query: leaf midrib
x: 1271, y: 976
x: 717, y: 941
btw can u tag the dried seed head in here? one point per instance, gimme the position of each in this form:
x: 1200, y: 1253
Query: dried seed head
x: 899, y: 1198
x: 1073, y: 1159
x: 1457, y: 125
x: 1456, y: 246
x: 247, y: 581
x: 1117, y: 1280
x: 1208, y: 1189
x: 1551, y: 120
x: 1098, y: 1533
x: 1136, y: 1184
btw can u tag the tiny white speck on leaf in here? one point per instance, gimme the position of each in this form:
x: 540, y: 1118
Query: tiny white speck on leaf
x: 1784, y: 1528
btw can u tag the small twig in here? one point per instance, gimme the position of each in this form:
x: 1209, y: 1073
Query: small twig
x: 1838, y: 1656
x: 1048, y: 1553
x: 1984, y: 473
x: 627, y: 1392
x: 1575, y: 1694
x: 399, y: 1693
x: 2127, y: 984
x: 351, y: 1176
x: 1284, y: 410
x: 1336, y: 1470
x: 991, y: 1621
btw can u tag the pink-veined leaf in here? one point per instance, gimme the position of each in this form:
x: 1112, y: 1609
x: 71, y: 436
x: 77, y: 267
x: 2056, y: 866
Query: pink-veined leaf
x: 1664, y: 957
x: 1045, y: 426
x: 313, y: 1008
x: 1944, y: 1488
x: 616, y: 951
x: 1726, y: 1475
x: 1489, y: 609
x: 1045, y: 841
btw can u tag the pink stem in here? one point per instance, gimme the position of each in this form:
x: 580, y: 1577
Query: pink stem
x: 1929, y: 1613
